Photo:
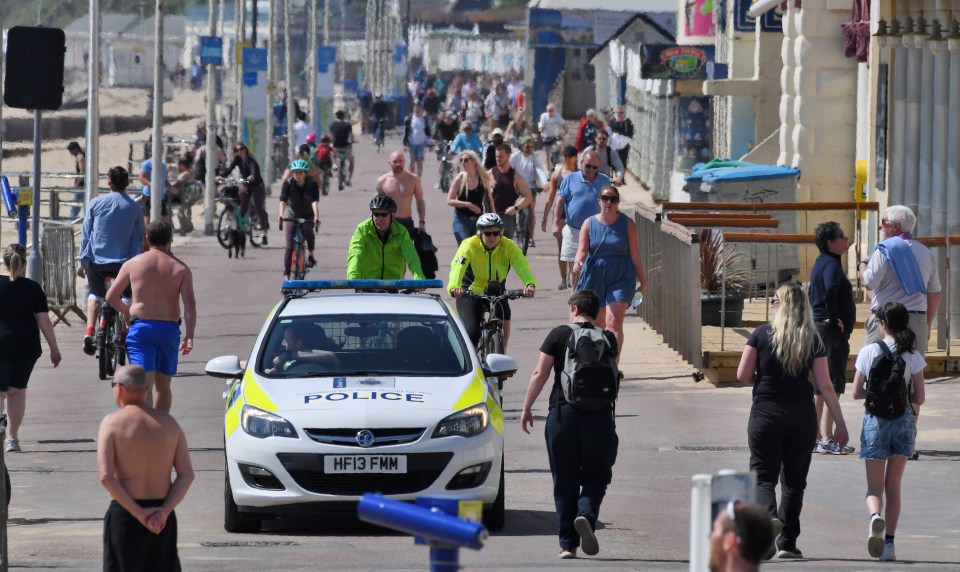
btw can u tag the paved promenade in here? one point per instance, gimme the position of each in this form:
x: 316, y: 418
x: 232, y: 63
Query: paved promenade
x: 670, y: 428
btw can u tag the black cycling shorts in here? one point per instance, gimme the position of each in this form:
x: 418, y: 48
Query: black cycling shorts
x: 97, y: 278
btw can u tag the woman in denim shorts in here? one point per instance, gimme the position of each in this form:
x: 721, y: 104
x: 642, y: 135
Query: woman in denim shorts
x: 886, y: 444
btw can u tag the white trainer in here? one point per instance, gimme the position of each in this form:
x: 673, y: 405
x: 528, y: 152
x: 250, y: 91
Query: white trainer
x: 875, y: 545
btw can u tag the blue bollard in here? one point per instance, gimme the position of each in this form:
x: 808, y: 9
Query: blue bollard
x: 445, y: 534
x: 9, y: 199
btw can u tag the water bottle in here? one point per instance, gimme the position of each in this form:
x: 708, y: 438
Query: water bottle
x: 637, y: 298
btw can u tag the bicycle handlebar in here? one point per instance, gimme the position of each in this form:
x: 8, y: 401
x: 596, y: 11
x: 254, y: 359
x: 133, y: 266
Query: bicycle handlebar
x: 508, y: 295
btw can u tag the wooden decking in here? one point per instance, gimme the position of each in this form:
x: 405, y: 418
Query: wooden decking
x: 720, y: 360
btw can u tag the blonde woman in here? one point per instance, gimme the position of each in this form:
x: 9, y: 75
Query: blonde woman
x: 23, y: 317
x: 466, y: 195
x: 782, y: 429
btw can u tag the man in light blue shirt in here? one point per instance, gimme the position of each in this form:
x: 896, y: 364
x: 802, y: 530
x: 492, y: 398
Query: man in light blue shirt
x: 145, y: 178
x: 113, y: 232
x: 577, y: 199
x: 467, y: 140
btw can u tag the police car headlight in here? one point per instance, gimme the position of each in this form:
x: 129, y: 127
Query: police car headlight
x: 262, y: 424
x: 465, y: 423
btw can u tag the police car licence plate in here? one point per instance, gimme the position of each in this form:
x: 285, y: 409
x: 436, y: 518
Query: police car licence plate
x: 365, y: 464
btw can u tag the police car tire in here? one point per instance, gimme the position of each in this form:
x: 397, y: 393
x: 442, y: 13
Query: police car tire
x: 494, y: 517
x: 233, y: 519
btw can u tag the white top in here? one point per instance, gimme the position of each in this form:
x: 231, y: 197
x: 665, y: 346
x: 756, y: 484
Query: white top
x: 529, y: 167
x: 301, y: 129
x: 550, y: 126
x: 914, y: 361
x: 879, y: 276
x: 417, y: 135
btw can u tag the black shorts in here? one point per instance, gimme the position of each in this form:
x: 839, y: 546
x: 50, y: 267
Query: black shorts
x: 128, y: 545
x: 837, y: 343
x: 145, y: 205
x: 15, y: 373
x: 97, y: 275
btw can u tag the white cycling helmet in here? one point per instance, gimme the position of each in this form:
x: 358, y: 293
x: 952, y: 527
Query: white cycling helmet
x: 487, y: 220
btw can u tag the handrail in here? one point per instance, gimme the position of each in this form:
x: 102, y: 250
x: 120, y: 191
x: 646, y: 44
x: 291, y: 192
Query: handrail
x: 929, y: 241
x: 717, y: 222
x: 796, y: 206
x: 731, y: 215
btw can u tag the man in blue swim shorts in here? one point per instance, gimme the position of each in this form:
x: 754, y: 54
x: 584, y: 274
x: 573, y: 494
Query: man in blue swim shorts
x: 159, y: 282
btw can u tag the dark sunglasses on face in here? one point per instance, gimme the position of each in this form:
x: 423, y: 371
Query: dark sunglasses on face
x: 609, y: 199
x: 465, y: 159
x: 380, y: 214
x: 491, y: 233
x: 775, y: 301
x: 840, y: 236
x: 589, y: 166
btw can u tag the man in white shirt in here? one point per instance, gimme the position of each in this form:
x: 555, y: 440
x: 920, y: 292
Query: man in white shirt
x: 526, y: 164
x: 552, y: 130
x: 301, y: 129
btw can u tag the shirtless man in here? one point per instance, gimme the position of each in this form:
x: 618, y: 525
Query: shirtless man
x: 403, y: 186
x: 137, y: 447
x: 159, y: 280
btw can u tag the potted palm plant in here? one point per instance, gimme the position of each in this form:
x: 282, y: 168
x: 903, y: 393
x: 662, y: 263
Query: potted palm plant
x: 723, y: 280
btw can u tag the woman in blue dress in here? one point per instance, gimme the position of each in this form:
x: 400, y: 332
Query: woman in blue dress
x: 608, y: 260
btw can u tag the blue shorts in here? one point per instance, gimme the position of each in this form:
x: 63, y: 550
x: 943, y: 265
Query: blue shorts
x: 417, y: 152
x: 882, y: 438
x: 153, y: 345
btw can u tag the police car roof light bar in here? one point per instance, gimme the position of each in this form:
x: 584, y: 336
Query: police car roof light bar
x: 315, y: 285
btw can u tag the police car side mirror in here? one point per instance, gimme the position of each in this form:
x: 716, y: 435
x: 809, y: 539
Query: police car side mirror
x: 499, y: 365
x: 226, y: 367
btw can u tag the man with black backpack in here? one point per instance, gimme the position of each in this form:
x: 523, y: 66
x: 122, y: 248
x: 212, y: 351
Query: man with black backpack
x: 580, y: 429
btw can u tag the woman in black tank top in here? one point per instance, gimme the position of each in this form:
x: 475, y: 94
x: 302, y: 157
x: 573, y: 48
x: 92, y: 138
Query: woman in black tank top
x: 467, y: 193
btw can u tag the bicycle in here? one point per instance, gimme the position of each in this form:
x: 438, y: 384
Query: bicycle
x: 491, y: 327
x: 298, y: 258
x: 231, y: 219
x: 446, y: 167
x: 554, y: 144
x: 379, y: 133
x: 521, y: 235
x: 190, y: 193
x: 110, y: 337
x: 341, y: 163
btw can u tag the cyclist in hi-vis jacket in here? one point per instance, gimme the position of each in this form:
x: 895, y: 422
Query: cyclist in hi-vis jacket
x: 489, y: 255
x: 381, y: 248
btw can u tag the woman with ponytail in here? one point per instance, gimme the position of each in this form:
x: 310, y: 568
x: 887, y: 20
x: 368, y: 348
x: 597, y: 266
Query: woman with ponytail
x: 782, y: 430
x: 886, y: 444
x: 23, y: 315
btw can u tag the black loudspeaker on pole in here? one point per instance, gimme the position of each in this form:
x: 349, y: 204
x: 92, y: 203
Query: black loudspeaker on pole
x: 34, y: 74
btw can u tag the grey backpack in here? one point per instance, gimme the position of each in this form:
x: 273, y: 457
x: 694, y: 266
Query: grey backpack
x: 590, y: 378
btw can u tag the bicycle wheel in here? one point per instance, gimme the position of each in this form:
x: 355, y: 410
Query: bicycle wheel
x: 341, y: 176
x: 521, y: 234
x: 119, y: 343
x: 326, y: 183
x: 298, y: 265
x: 445, y: 177
x: 254, y: 228
x: 227, y: 223
x: 103, y: 359
x: 496, y: 342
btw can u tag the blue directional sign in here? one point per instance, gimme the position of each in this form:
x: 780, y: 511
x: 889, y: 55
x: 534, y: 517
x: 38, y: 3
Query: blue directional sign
x: 254, y: 59
x: 326, y: 55
x: 211, y: 50
x: 399, y: 53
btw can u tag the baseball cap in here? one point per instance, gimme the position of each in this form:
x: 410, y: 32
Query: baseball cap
x: 497, y: 131
x: 526, y: 139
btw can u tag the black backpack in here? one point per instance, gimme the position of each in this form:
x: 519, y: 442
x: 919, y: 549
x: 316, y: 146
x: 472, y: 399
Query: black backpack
x: 590, y: 379
x: 887, y: 392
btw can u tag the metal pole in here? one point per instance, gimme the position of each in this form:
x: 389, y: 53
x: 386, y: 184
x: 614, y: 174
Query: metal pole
x: 288, y: 79
x: 254, y: 9
x: 158, y: 179
x: 2, y: 58
x: 92, y: 167
x: 209, y: 205
x: 326, y: 23
x: 35, y: 261
x: 271, y: 83
x: 241, y: 37
x: 312, y: 65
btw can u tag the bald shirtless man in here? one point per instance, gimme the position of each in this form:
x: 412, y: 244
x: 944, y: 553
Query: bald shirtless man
x: 403, y: 186
x: 159, y: 281
x: 137, y: 447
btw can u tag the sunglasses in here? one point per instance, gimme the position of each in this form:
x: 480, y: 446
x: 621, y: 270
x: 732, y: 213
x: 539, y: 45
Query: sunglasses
x: 609, y: 199
x: 840, y: 236
x: 775, y: 302
x: 380, y: 214
x: 115, y: 383
x: 491, y: 233
x: 238, y: 149
x: 465, y: 159
x: 589, y: 166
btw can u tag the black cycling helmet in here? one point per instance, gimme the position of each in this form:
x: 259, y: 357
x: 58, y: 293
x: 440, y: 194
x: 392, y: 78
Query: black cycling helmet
x: 383, y: 203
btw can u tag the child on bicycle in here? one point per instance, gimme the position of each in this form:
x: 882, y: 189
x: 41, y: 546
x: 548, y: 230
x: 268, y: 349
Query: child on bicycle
x: 298, y: 200
x: 490, y: 255
x: 323, y: 159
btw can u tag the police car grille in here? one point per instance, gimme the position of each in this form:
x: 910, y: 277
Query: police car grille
x: 307, y: 470
x: 382, y: 437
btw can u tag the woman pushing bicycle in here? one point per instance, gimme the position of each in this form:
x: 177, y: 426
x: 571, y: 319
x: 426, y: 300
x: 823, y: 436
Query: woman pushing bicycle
x: 489, y: 255
x: 298, y: 200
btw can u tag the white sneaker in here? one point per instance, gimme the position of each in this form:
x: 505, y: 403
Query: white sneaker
x: 875, y: 545
x: 588, y: 540
x: 12, y: 446
x: 889, y: 552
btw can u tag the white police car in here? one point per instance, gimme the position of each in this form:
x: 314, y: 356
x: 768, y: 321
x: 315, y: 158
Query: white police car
x: 354, y: 392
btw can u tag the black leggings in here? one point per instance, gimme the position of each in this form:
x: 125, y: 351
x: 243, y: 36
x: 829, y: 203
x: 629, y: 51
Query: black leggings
x: 471, y: 310
x: 259, y: 195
